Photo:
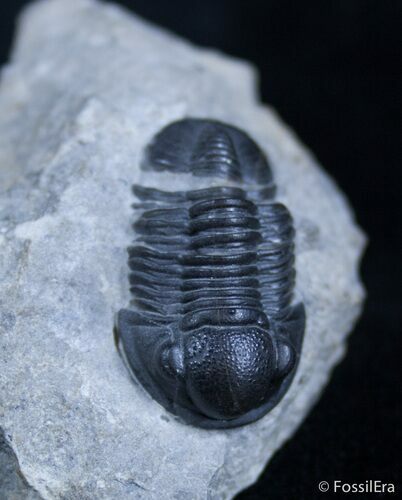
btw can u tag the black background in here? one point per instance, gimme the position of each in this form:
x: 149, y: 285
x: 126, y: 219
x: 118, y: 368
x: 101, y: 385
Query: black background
x: 332, y: 69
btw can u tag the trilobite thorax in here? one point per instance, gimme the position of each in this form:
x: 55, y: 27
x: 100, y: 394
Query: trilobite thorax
x: 211, y: 331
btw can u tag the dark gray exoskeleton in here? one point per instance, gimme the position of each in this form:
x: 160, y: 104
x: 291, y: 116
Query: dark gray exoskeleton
x: 211, y: 332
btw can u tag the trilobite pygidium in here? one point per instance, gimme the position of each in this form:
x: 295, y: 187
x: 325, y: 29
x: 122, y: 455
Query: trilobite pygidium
x: 211, y: 331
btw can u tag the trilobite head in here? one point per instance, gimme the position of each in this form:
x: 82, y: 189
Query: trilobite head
x: 216, y: 375
x: 228, y: 372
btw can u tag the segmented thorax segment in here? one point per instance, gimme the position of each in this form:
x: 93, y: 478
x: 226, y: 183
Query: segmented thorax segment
x: 212, y: 250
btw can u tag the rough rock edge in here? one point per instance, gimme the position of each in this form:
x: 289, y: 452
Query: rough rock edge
x: 13, y: 483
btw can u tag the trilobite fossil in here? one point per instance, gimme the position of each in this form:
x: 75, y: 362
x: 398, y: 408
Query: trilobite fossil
x: 212, y: 332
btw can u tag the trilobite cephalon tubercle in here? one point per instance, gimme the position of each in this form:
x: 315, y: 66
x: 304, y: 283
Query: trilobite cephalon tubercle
x: 211, y: 331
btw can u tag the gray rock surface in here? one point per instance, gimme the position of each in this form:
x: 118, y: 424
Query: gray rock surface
x: 86, y: 88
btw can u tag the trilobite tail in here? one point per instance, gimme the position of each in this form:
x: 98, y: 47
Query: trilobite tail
x: 208, y: 148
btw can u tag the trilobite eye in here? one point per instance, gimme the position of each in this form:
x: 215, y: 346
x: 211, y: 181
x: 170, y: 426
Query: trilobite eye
x: 171, y: 361
x: 286, y: 359
x: 262, y: 320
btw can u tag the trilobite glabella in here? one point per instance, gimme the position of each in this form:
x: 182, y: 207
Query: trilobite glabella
x: 212, y: 332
